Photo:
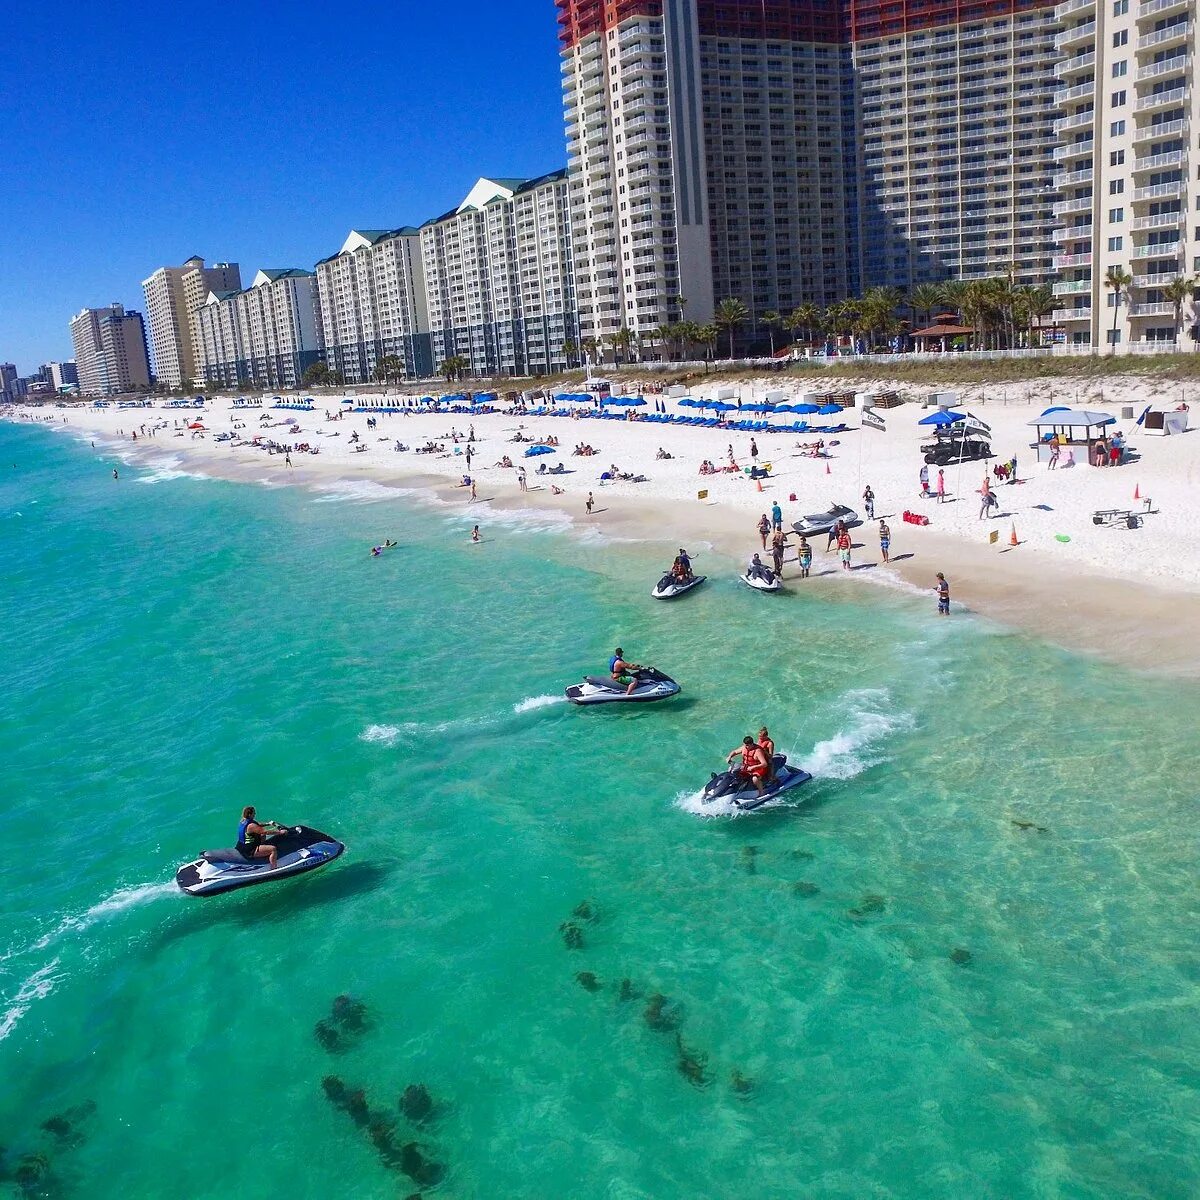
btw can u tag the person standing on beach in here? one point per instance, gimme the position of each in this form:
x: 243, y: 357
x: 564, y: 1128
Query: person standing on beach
x: 1055, y: 448
x: 472, y: 497
x: 753, y: 451
x: 764, y: 529
x: 869, y: 502
x: 885, y: 539
x: 924, y: 478
x: 468, y: 458
x: 776, y: 516
x: 941, y: 486
x: 943, y: 595
x: 844, y: 545
x: 777, y: 551
x: 804, y: 554
x: 836, y: 530
x: 521, y: 480
x: 287, y: 458
x: 590, y: 504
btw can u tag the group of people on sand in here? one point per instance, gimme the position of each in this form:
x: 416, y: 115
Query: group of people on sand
x: 583, y: 450
x: 770, y: 532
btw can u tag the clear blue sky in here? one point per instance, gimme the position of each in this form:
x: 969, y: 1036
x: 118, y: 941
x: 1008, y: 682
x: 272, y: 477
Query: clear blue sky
x: 132, y: 138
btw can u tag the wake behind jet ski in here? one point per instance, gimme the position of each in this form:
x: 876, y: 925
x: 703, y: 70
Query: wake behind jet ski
x: 297, y: 849
x: 625, y: 683
x: 760, y: 577
x: 740, y: 784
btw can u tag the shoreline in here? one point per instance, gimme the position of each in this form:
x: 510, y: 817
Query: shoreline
x: 1137, y: 624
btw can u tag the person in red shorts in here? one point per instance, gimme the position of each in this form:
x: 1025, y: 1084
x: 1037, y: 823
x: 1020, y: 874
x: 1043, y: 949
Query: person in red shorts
x: 754, y: 762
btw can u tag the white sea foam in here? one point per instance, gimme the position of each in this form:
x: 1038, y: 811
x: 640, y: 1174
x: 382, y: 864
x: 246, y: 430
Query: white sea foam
x: 386, y: 734
x: 165, y: 469
x: 39, y: 985
x: 120, y: 901
x: 532, y: 702
x: 357, y: 491
x: 868, y: 721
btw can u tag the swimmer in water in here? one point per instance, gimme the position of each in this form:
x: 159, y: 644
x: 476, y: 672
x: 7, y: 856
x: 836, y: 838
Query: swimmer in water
x: 376, y: 551
x: 475, y: 534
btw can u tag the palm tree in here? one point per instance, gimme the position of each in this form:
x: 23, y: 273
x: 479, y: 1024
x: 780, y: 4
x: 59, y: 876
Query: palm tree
x: 772, y: 320
x: 1030, y: 305
x: 620, y: 339
x: 730, y: 314
x: 1117, y: 280
x: 591, y: 350
x: 1176, y: 292
x: 707, y: 336
x: 663, y: 335
x: 924, y: 298
x: 680, y: 303
x: 806, y: 317
x: 317, y: 375
x: 570, y: 349
x: 878, y: 312
x: 455, y: 367
x: 391, y: 366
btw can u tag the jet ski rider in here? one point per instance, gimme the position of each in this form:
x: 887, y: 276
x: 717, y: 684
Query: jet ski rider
x: 756, y: 569
x: 623, y: 672
x: 767, y: 746
x: 755, y: 764
x: 682, y: 567
x: 251, y: 834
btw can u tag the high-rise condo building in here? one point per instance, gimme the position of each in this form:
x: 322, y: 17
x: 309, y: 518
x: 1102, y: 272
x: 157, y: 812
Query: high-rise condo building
x: 1129, y: 179
x: 8, y: 383
x: 498, y: 277
x: 371, y: 296
x: 110, y: 350
x: 266, y: 336
x: 784, y: 152
x: 174, y: 297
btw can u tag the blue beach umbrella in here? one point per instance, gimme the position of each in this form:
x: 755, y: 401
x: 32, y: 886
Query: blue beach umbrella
x: 806, y: 409
x: 941, y: 418
x: 829, y: 410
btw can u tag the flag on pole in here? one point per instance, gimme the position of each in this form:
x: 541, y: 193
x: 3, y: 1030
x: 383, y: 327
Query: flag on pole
x: 975, y: 425
x: 872, y: 420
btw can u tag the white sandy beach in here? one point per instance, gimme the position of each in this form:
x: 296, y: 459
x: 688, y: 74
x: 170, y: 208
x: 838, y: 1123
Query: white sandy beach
x: 1129, y: 593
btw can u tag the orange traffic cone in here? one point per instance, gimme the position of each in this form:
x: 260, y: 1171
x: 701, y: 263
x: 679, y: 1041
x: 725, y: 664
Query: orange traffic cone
x: 758, y: 484
x: 827, y: 470
x: 1012, y: 537
x: 1137, y: 493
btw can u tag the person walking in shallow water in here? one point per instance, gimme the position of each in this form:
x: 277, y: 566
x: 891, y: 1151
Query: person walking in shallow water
x: 943, y: 595
x: 804, y: 554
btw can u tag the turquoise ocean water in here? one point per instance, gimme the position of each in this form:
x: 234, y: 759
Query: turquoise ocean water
x: 886, y: 988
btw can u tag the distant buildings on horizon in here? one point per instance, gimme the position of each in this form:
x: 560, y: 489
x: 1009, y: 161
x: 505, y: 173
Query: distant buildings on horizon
x: 784, y: 154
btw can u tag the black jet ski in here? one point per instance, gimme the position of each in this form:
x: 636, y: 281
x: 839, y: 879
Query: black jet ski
x: 652, y: 684
x: 300, y: 849
x: 668, y: 587
x: 733, y: 786
x: 762, y: 580
x: 818, y: 523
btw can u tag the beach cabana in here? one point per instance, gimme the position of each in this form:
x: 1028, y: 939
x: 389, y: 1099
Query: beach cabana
x: 942, y: 333
x: 1074, y: 426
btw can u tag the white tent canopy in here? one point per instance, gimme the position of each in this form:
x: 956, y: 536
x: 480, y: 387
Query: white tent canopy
x: 1073, y: 418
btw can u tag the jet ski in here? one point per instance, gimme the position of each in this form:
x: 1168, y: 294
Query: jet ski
x: 652, y: 684
x: 733, y: 786
x: 668, y: 587
x: 818, y: 523
x: 765, y: 580
x: 300, y: 849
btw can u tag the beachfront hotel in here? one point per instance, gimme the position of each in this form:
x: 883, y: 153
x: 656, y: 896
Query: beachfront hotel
x: 110, y: 350
x: 499, y: 281
x: 372, y: 304
x: 267, y: 335
x: 174, y: 297
x: 1128, y: 178
x: 797, y: 151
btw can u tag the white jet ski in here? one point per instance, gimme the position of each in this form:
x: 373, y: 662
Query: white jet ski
x: 652, y: 684
x: 668, y: 587
x: 817, y: 523
x: 300, y: 849
x: 733, y: 786
x: 762, y: 580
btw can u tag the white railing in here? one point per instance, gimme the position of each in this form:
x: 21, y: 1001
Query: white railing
x: 1066, y: 207
x: 1179, y: 29
x: 1066, y: 95
x: 1075, y: 121
x: 1156, y: 250
x: 1078, y: 63
x: 1071, y: 6
x: 1157, y: 190
x: 1069, y: 178
x: 1072, y: 286
x: 1149, y: 7
x: 1079, y: 33
x: 1152, y: 310
x: 1072, y: 260
x: 1160, y: 99
x: 1144, y: 133
x: 1160, y: 221
x: 1174, y: 158
x: 1153, y: 281
x: 1061, y: 316
x: 1073, y: 149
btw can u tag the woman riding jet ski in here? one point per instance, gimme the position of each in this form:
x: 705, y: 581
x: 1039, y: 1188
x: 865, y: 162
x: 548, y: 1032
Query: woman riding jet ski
x: 626, y: 683
x: 760, y: 577
x: 265, y: 851
x: 679, y: 579
x: 752, y: 782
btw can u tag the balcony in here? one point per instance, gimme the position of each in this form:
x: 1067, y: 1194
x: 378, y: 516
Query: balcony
x: 1070, y: 178
x: 1154, y: 281
x: 1163, y: 129
x: 1063, y: 316
x: 1070, y: 66
x: 1161, y: 100
x: 1154, y: 8
x: 1061, y: 11
x: 1069, y: 95
x: 1159, y: 162
x: 1072, y: 260
x: 1159, y: 191
x: 1076, y: 36
x: 1160, y: 309
x: 1080, y: 204
x: 1156, y: 250
x: 1074, y: 121
x: 1170, y: 66
x: 1163, y: 37
x: 1172, y: 220
x: 1072, y: 233
x: 1073, y: 150
x: 1072, y: 287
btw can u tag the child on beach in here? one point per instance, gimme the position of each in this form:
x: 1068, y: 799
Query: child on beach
x: 804, y: 553
x: 943, y: 595
x: 941, y: 486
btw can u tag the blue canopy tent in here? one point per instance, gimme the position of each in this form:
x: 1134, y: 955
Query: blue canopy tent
x: 940, y: 418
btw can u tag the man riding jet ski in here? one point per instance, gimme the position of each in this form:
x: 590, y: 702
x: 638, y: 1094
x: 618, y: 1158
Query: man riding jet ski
x: 626, y: 681
x: 759, y: 775
x: 679, y: 579
x: 760, y: 577
x: 265, y: 850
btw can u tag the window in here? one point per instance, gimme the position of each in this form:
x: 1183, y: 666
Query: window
x: 1120, y: 68
x: 1117, y: 100
x: 1116, y: 187
x: 1116, y: 129
x: 1114, y: 335
x: 1115, y: 243
x: 1120, y: 38
x: 1120, y: 7
x: 1116, y: 216
x: 1116, y: 158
